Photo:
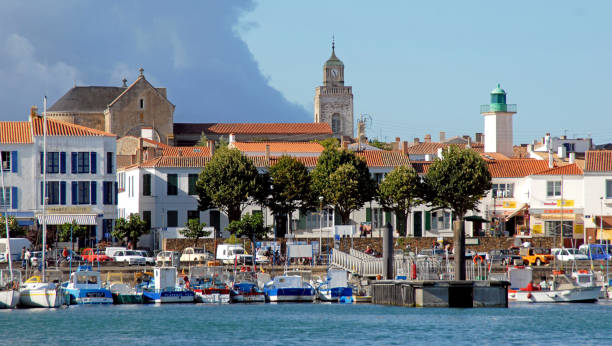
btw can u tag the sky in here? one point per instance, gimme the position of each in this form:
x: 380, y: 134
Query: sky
x: 416, y: 68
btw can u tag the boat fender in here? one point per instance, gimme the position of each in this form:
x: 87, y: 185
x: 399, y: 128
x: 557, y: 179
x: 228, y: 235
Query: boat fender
x: 414, y: 271
x: 478, y: 257
x: 529, y: 295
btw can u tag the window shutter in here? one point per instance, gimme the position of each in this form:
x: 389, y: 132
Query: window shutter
x: 427, y: 220
x: 14, y: 162
x: 302, y: 221
x: 116, y: 193
x: 15, y: 202
x: 41, y: 193
x: 74, y: 163
x: 387, y: 217
x: 63, y: 162
x: 94, y: 161
x: 42, y: 162
x: 62, y: 192
x: 368, y: 214
x: 75, y: 192
x: 94, y: 189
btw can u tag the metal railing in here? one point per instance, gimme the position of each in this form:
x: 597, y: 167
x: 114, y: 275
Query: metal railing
x: 498, y: 107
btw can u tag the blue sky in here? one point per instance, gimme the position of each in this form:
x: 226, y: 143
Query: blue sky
x: 415, y: 67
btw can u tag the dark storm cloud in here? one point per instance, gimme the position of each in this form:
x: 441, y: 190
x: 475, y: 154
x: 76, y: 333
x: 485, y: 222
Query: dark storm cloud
x: 191, y: 48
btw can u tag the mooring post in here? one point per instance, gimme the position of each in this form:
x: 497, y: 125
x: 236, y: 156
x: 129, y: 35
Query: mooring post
x: 388, y: 252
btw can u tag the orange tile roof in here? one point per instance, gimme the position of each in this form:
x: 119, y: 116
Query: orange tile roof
x: 15, y: 132
x: 493, y: 156
x: 185, y: 151
x: 515, y: 168
x: 60, y: 128
x: 598, y: 161
x: 424, y: 148
x: 279, y: 147
x: 156, y: 143
x: 421, y: 167
x: 572, y: 169
x: 271, y: 128
x: 175, y: 161
x: 383, y: 158
x: 260, y: 161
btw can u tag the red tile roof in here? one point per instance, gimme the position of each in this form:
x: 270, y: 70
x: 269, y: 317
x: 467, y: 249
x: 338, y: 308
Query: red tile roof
x: 175, y: 161
x: 271, y: 128
x: 279, y: 147
x: 598, y: 161
x: 185, y: 151
x: 382, y: 158
x: 572, y: 169
x: 60, y: 128
x: 424, y: 148
x: 421, y: 167
x: 515, y: 168
x: 15, y: 132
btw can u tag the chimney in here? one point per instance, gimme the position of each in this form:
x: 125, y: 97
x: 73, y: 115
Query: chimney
x: 232, y: 138
x: 170, y: 140
x: 561, y: 150
x: 529, y: 148
x: 140, y: 150
x: 211, y: 146
x: 469, y: 143
x: 478, y: 137
x: 33, y: 111
x: 572, y: 157
x: 427, y: 138
x: 442, y: 136
x: 440, y: 153
x: 550, y: 159
x: 416, y: 140
x: 404, y: 147
x: 146, y: 132
x: 547, y: 142
x: 267, y: 155
x: 396, y: 145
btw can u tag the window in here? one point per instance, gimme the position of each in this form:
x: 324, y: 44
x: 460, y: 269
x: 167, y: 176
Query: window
x: 193, y: 214
x: 552, y: 228
x: 313, y: 220
x: 6, y: 201
x: 53, y: 162
x: 335, y: 123
x: 503, y: 190
x: 377, y: 217
x: 53, y: 192
x: 440, y: 220
x: 192, y: 184
x: 172, y: 184
x: 107, y: 228
x: 146, y: 217
x: 107, y: 193
x: 608, y: 188
x: 121, y: 179
x: 378, y: 177
x: 83, y: 162
x: 172, y: 218
x: 146, y: 184
x: 553, y: 188
x: 141, y: 103
x: 83, y: 192
x: 6, y: 161
x: 109, y: 162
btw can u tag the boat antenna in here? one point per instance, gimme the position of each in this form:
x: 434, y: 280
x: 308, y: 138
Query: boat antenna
x: 44, y: 200
x: 8, y: 234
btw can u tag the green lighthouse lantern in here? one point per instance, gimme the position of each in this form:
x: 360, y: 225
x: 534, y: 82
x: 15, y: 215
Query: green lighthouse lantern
x: 498, y: 100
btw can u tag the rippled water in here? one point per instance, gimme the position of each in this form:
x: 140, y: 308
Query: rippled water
x: 281, y: 324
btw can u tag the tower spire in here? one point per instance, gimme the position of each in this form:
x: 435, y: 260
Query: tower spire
x: 333, y: 43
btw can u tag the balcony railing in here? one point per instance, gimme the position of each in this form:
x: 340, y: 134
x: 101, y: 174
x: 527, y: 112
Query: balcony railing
x: 498, y: 107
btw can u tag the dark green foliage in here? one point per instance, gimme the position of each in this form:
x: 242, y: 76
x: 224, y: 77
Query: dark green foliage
x: 399, y: 192
x: 194, y: 230
x: 78, y: 231
x: 132, y: 228
x: 16, y: 230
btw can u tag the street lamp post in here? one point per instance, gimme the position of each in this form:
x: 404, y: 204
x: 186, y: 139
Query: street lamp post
x: 320, y: 223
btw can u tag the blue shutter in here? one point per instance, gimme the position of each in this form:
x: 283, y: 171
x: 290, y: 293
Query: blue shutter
x: 75, y: 193
x: 42, y: 162
x: 94, y: 194
x: 15, y: 162
x: 92, y: 165
x: 62, y: 192
x: 63, y: 162
x: 15, y: 204
x: 74, y: 162
x: 41, y: 193
x: 116, y: 193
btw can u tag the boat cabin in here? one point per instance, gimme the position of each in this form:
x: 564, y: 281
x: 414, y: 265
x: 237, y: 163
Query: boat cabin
x: 84, y: 277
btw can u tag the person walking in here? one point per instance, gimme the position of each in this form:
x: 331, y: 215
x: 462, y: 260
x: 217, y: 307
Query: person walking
x: 23, y: 261
x: 27, y: 257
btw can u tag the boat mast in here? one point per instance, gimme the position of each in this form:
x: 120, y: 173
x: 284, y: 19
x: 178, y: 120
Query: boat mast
x: 44, y: 200
x: 8, y: 234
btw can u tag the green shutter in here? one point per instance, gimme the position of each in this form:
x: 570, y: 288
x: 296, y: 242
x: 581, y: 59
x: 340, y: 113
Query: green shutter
x: 368, y: 214
x: 427, y: 220
x: 302, y: 221
x: 387, y: 217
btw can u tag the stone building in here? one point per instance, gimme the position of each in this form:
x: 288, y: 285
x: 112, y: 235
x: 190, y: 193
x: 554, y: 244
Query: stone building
x: 123, y: 111
x: 333, y: 101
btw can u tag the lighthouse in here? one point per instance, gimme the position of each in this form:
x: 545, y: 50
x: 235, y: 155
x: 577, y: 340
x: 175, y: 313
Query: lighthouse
x: 498, y: 123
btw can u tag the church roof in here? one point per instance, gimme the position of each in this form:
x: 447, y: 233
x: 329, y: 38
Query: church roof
x: 92, y: 99
x: 333, y: 59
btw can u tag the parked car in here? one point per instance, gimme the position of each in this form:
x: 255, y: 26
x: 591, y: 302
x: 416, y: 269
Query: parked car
x: 504, y: 256
x: 167, y: 258
x: 149, y: 258
x: 35, y: 258
x: 261, y: 256
x: 537, y: 256
x: 191, y: 254
x: 230, y: 253
x: 595, y: 251
x: 568, y: 254
x: 95, y: 255
x: 425, y: 253
x: 130, y: 257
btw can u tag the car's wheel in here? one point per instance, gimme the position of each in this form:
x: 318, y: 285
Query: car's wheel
x: 538, y: 262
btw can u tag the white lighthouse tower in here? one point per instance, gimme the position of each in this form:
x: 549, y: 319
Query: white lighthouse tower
x: 498, y: 123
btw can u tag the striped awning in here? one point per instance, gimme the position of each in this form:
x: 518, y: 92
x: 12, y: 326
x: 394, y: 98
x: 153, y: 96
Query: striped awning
x: 60, y: 219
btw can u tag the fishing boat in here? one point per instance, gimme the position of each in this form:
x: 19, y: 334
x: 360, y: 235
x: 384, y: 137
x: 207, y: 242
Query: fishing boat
x: 289, y: 288
x: 85, y: 287
x: 210, y: 284
x: 36, y: 293
x: 9, y: 289
x: 562, y: 288
x: 335, y: 288
x: 122, y: 292
x: 163, y: 288
x: 245, y: 289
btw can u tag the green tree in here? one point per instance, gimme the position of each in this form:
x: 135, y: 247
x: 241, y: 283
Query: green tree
x: 380, y: 145
x: 290, y: 188
x: 203, y: 141
x: 330, y: 143
x: 228, y: 182
x: 16, y: 230
x: 132, y: 228
x: 194, y: 230
x: 323, y: 185
x: 457, y: 182
x: 250, y: 226
x: 399, y: 192
x: 78, y: 231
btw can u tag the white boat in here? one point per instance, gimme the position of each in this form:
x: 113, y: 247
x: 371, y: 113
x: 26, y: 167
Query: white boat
x: 334, y: 287
x: 562, y: 289
x: 164, y: 288
x: 210, y: 284
x: 289, y: 288
x: 38, y: 294
x: 9, y: 289
x: 85, y: 287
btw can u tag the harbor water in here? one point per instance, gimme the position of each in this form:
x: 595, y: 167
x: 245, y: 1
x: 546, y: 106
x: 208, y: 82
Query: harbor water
x: 282, y: 324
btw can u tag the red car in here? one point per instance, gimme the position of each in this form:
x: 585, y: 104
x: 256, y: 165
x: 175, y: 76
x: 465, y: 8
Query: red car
x: 95, y: 255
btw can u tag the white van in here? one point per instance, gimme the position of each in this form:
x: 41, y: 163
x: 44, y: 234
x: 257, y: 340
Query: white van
x: 17, y: 245
x: 229, y: 253
x: 110, y: 251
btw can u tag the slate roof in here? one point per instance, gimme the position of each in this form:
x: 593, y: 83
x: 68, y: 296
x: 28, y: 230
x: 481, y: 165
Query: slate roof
x: 94, y: 99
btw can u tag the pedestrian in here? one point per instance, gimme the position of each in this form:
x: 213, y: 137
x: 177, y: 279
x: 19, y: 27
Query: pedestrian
x: 27, y: 257
x: 65, y: 253
x: 23, y: 261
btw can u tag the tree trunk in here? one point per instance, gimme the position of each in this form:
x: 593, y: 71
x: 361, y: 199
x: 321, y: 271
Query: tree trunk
x: 459, y: 248
x: 401, y: 228
x: 254, y: 254
x: 346, y: 217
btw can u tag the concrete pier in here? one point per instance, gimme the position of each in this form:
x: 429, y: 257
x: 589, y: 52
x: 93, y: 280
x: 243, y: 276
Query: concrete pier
x: 441, y: 293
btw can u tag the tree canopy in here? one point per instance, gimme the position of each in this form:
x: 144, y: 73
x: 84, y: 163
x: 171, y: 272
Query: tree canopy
x: 227, y: 182
x: 16, y: 230
x: 78, y: 231
x: 249, y: 226
x: 194, y: 230
x: 399, y: 192
x: 132, y: 228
